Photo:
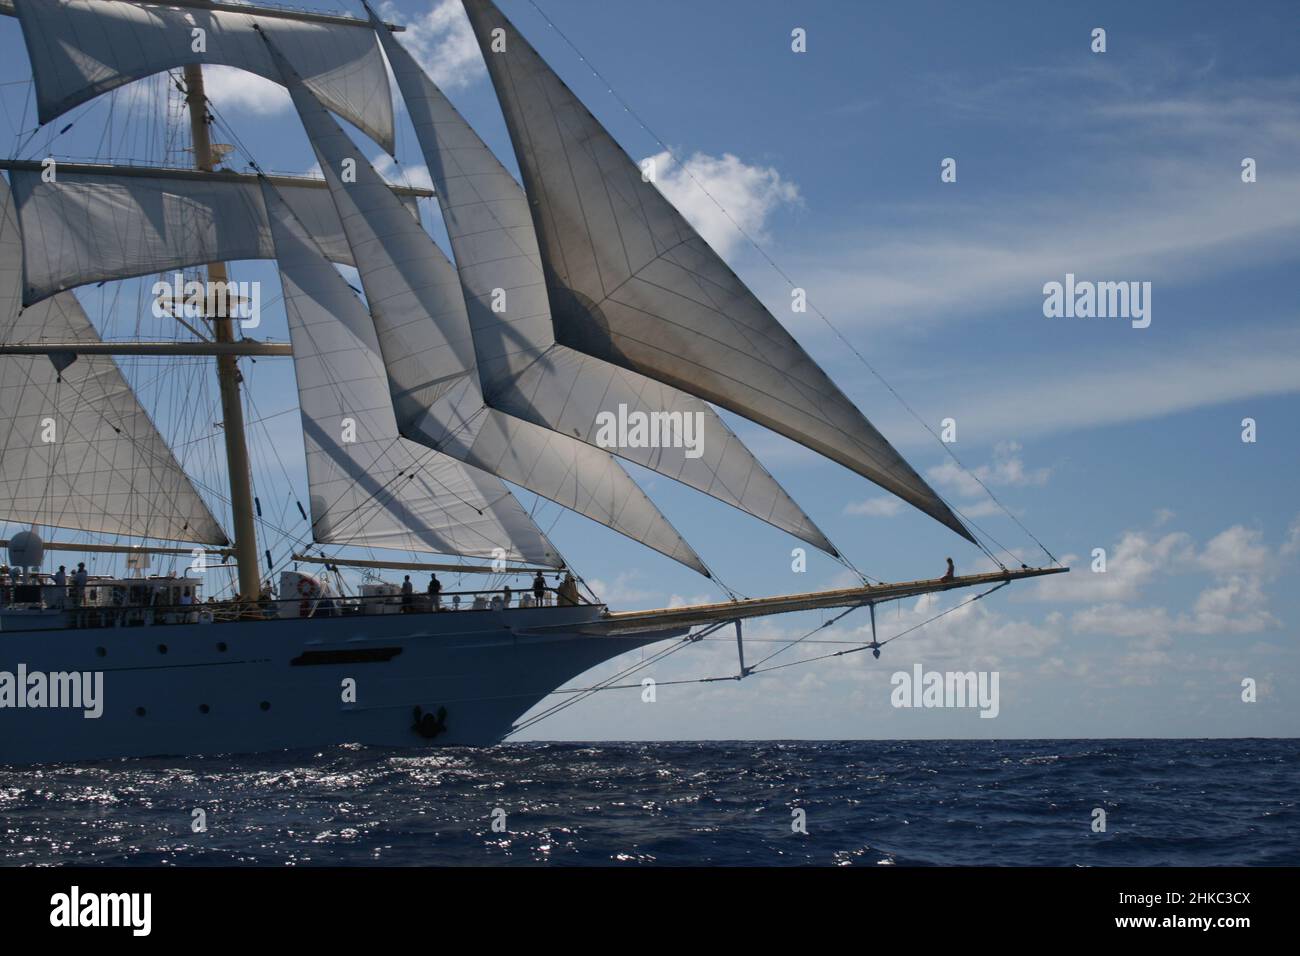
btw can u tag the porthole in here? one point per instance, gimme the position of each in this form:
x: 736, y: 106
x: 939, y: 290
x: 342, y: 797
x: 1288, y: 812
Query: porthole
x: 221, y: 646
x: 266, y: 705
x: 162, y: 648
x: 204, y: 708
x: 139, y: 711
x: 101, y: 652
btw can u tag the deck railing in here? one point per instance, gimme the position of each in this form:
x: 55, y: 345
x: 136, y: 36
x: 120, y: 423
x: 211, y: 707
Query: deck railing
x: 314, y: 606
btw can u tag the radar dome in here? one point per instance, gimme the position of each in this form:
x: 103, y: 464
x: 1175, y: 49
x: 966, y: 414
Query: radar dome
x: 26, y: 550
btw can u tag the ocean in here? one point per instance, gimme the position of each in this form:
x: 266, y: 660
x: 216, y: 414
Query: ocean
x: 870, y: 803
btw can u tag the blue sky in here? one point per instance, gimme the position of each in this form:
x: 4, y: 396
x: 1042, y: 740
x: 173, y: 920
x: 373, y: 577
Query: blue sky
x: 1123, y: 165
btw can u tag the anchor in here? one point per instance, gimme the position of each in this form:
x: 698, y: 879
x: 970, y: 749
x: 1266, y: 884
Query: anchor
x: 430, y: 725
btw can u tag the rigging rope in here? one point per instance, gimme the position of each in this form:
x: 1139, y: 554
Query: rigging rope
x: 583, y: 693
x: 799, y: 640
x: 863, y: 647
x: 607, y: 684
x: 784, y: 275
x: 373, y: 503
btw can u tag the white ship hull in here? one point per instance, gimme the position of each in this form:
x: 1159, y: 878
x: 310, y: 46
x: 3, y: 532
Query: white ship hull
x: 254, y: 686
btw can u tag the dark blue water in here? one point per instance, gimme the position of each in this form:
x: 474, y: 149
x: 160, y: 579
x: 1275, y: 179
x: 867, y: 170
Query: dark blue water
x: 1186, y: 802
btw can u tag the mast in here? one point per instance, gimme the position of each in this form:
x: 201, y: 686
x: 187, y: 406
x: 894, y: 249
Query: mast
x: 228, y: 374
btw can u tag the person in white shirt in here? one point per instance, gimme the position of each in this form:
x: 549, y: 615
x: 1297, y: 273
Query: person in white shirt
x: 79, y: 585
x: 61, y: 583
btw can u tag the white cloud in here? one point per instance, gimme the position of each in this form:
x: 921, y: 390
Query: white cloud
x: 1164, y: 204
x: 1166, y: 209
x: 231, y: 89
x: 983, y: 509
x: 678, y: 600
x: 411, y: 174
x: 1131, y: 564
x: 749, y: 194
x: 879, y: 507
x: 628, y: 589
x: 975, y: 634
x: 1292, y: 543
x: 1005, y: 255
x: 1120, y: 620
x: 1121, y: 386
x: 1235, y: 550
x: 622, y: 591
x: 1234, y: 606
x: 1234, y: 602
x: 1007, y: 469
x: 1258, y: 109
x: 442, y: 42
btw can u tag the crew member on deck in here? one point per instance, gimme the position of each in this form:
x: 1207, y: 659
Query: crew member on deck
x: 950, y: 573
x: 61, y: 583
x: 408, y: 595
x: 539, y: 588
x: 567, y: 594
x: 506, y: 591
x: 79, y: 585
x: 435, y: 592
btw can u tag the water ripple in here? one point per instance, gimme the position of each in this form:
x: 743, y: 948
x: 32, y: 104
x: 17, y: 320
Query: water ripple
x: 866, y: 804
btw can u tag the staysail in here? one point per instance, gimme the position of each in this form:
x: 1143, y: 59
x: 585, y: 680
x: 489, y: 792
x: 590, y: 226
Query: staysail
x: 92, y: 224
x: 369, y: 486
x: 631, y: 282
x: 524, y: 371
x: 104, y: 468
x: 80, y: 49
x: 418, y: 307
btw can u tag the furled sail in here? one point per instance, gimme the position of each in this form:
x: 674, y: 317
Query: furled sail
x: 82, y: 48
x: 418, y: 307
x: 106, y: 469
x: 524, y: 371
x: 369, y: 486
x: 631, y: 282
x: 85, y: 226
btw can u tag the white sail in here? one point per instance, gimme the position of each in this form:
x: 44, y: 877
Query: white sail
x: 524, y: 371
x: 82, y: 48
x: 86, y: 227
x: 106, y: 469
x: 418, y: 306
x: 368, y: 485
x: 633, y: 283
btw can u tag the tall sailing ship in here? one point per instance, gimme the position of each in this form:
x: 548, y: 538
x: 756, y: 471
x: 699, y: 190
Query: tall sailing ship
x: 424, y: 396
